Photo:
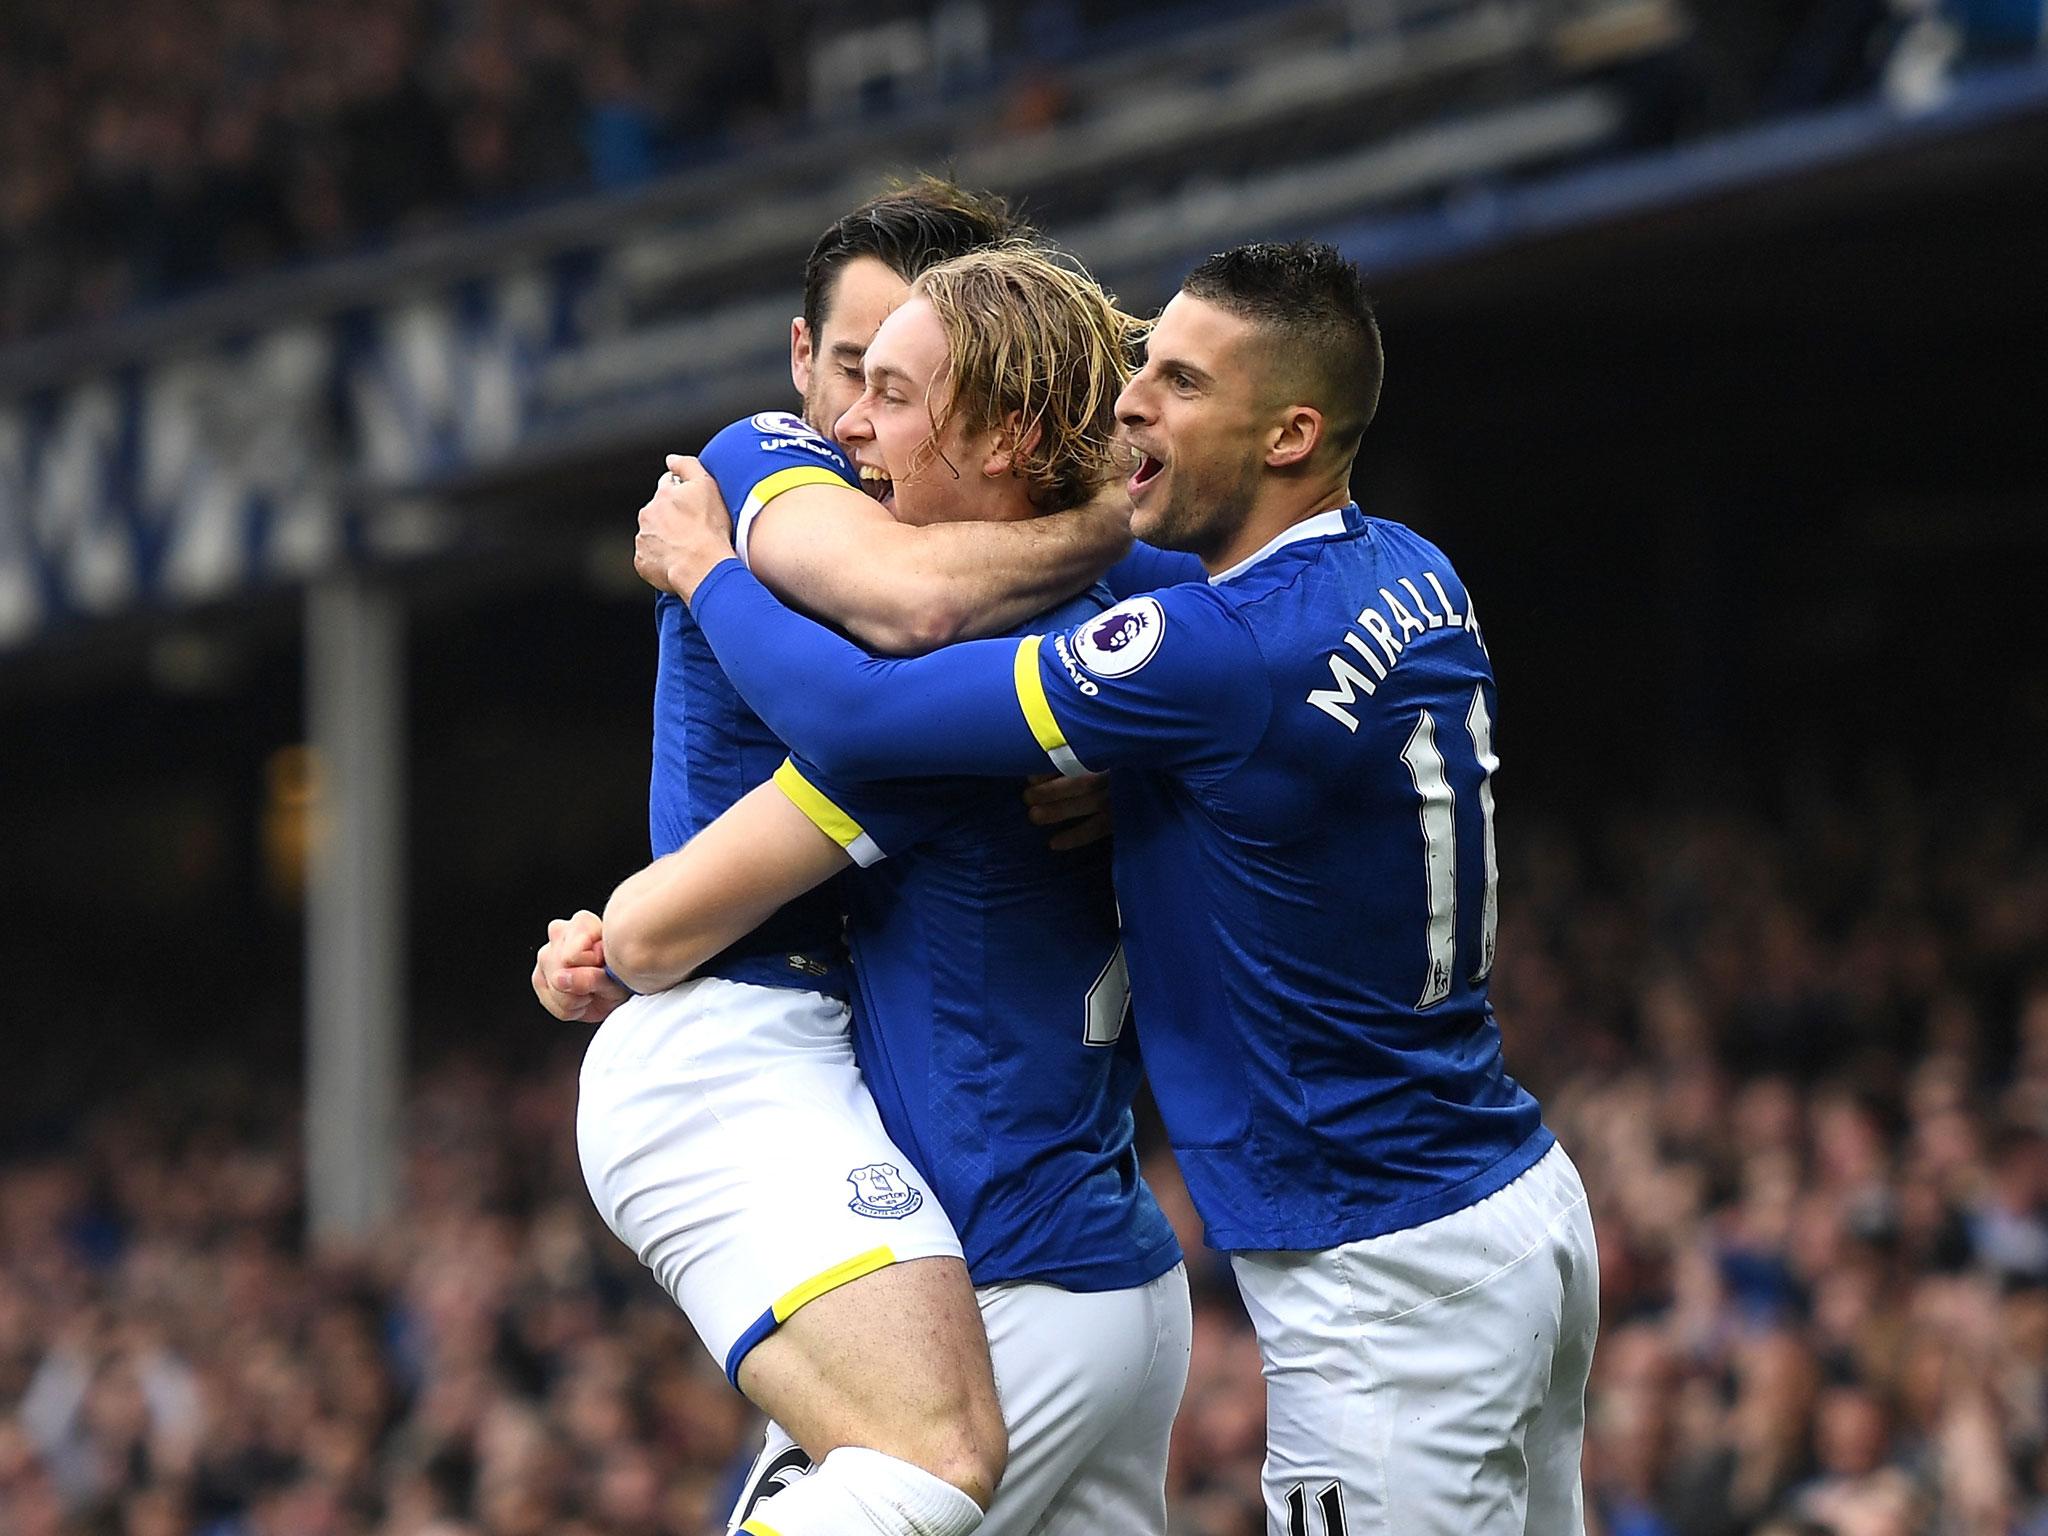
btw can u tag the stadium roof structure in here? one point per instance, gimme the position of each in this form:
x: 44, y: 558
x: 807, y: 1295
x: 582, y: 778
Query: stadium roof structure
x: 250, y: 440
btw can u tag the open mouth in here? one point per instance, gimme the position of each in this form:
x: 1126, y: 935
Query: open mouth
x: 876, y: 482
x: 1148, y: 471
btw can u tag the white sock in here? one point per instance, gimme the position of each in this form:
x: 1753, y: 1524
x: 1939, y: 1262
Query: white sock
x: 858, y: 1492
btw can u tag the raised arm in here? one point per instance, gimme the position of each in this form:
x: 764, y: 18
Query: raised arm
x: 823, y: 545
x: 836, y: 554
x: 1113, y: 692
x: 665, y: 921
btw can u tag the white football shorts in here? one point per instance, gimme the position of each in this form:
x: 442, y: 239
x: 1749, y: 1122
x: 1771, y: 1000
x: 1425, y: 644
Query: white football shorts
x: 1432, y: 1382
x: 1089, y: 1382
x: 728, y: 1139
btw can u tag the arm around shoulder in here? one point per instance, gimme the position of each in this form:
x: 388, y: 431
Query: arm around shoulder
x: 858, y: 716
x: 902, y: 590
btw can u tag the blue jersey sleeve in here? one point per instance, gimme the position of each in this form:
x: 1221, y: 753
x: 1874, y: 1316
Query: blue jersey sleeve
x: 1173, y: 679
x: 1147, y: 569
x: 756, y: 459
x: 856, y: 716
x: 874, y: 820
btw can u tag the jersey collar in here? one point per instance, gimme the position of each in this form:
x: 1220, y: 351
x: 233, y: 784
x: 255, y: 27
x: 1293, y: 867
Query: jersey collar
x: 1321, y: 526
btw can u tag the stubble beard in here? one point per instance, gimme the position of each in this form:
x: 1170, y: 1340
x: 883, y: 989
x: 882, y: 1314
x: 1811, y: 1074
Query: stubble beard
x: 1202, y: 518
x: 814, y: 409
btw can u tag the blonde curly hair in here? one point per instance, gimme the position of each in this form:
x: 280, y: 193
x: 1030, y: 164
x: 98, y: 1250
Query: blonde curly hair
x: 1031, y: 336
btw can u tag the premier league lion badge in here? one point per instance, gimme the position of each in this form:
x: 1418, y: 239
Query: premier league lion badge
x: 880, y: 1190
x: 783, y: 424
x: 1123, y: 639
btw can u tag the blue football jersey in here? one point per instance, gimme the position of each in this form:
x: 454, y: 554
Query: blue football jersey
x: 1147, y: 568
x: 709, y: 747
x: 1304, y: 853
x: 990, y: 994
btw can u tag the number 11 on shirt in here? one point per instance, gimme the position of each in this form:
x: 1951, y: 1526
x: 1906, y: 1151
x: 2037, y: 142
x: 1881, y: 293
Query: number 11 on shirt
x: 1425, y: 762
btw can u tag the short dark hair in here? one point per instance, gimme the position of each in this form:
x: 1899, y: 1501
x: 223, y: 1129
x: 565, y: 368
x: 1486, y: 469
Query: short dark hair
x: 1310, y: 296
x: 910, y: 228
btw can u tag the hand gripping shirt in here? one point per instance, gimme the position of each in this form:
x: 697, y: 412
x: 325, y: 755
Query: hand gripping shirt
x: 1304, y: 852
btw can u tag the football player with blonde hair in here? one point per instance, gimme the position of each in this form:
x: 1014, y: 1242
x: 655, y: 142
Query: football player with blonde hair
x: 989, y: 987
x: 1300, y: 718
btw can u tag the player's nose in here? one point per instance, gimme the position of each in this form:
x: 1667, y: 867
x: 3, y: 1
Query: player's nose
x: 1132, y: 408
x: 852, y: 425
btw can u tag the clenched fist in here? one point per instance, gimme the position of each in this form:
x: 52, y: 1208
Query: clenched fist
x: 568, y: 973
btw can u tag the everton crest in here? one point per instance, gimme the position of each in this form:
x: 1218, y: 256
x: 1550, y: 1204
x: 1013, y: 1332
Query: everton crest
x: 881, y: 1190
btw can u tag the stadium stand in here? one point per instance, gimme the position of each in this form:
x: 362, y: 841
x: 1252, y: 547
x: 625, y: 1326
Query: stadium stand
x: 1782, y: 473
x: 189, y: 451
x: 153, y: 153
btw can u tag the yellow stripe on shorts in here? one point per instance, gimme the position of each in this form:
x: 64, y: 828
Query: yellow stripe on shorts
x: 1038, y: 710
x: 838, y: 1275
x: 758, y: 1527
x: 827, y: 817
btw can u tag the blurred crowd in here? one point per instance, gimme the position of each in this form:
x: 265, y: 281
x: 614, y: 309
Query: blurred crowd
x: 154, y: 147
x: 1808, y: 1088
x: 1803, y: 1064
x: 171, y: 1362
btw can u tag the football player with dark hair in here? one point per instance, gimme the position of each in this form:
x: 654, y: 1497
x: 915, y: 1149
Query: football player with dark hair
x: 1299, y: 722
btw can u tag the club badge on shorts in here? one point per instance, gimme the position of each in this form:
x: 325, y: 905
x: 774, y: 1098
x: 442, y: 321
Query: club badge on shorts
x: 881, y: 1190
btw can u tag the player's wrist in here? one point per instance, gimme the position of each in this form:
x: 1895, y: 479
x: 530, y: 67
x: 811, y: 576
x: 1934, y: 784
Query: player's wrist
x: 688, y: 573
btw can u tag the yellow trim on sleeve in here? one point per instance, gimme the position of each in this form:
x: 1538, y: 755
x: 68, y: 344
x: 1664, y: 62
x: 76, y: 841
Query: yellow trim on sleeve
x: 838, y: 1275
x: 809, y: 799
x: 768, y: 487
x: 758, y: 1527
x: 1031, y: 695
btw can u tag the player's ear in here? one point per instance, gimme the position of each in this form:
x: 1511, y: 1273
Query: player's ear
x: 800, y: 355
x: 1012, y: 441
x: 1294, y: 436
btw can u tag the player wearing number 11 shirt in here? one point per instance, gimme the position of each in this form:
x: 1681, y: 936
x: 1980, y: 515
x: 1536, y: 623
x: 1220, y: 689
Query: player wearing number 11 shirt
x: 1302, y: 756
